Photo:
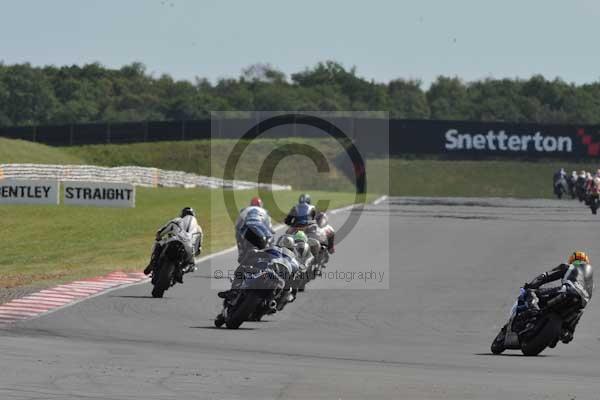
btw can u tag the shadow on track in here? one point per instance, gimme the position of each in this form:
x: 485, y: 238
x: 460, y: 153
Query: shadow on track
x: 241, y: 328
x: 512, y: 355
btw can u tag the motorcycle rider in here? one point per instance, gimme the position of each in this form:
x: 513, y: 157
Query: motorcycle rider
x: 302, y: 214
x: 572, y: 181
x: 560, y: 174
x: 302, y: 249
x: 328, y: 231
x: 580, y: 185
x: 577, y: 281
x: 253, y: 221
x: 185, y: 228
x: 589, y: 182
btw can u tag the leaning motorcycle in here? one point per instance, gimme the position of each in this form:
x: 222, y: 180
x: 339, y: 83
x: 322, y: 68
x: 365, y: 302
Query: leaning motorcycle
x: 257, y: 294
x: 170, y: 265
x: 536, y: 322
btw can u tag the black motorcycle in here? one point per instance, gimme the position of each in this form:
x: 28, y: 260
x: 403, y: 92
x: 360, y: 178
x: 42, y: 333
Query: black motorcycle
x: 256, y: 296
x: 537, y: 322
x: 580, y: 189
x: 169, y: 268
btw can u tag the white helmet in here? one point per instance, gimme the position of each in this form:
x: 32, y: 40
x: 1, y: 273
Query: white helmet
x: 287, y: 241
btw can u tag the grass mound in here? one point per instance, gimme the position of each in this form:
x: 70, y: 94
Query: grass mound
x: 22, y: 151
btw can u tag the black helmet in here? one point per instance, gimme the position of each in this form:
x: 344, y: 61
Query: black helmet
x: 304, y: 198
x: 187, y: 211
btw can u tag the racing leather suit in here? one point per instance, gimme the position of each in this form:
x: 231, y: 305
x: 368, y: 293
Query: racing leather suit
x: 301, y: 214
x: 577, y: 279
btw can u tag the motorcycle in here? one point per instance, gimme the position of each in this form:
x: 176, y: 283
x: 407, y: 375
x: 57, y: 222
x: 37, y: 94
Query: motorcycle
x: 170, y: 267
x: 256, y: 296
x: 536, y: 322
x: 320, y: 255
x: 580, y: 189
x: 593, y: 196
x: 571, y: 183
x: 594, y: 200
x: 561, y: 187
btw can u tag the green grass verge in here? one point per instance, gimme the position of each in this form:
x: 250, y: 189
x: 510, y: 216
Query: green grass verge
x: 43, y: 245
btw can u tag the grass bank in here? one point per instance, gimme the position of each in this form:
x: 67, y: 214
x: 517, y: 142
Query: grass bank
x: 210, y: 157
x: 22, y: 151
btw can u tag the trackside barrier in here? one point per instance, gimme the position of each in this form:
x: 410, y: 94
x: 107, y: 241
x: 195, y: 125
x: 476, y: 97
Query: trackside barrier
x: 137, y: 176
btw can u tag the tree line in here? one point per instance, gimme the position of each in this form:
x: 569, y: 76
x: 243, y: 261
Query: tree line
x: 93, y: 93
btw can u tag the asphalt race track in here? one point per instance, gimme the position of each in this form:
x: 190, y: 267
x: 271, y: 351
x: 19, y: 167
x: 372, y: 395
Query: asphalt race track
x: 456, y: 266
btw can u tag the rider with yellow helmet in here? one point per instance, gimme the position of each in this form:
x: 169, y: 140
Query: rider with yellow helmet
x: 577, y: 281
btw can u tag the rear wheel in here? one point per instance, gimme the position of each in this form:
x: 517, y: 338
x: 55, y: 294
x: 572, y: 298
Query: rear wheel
x: 545, y: 336
x: 163, y: 281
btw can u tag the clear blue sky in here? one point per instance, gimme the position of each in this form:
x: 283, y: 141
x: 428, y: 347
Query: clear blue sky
x: 422, y: 39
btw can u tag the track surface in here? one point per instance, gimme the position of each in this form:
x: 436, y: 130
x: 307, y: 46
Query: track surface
x: 456, y: 268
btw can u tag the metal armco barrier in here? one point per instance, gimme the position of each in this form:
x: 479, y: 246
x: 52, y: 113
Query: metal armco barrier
x: 452, y: 139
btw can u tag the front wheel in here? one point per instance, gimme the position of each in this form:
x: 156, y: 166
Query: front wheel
x: 243, y: 311
x: 498, y: 343
x: 546, y: 335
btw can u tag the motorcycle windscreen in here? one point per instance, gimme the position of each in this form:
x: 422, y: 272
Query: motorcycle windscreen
x: 258, y: 235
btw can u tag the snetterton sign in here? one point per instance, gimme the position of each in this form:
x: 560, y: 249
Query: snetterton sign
x: 501, y: 141
x: 17, y: 191
x: 104, y: 194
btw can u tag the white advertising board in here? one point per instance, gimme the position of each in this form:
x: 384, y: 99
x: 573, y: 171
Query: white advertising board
x: 21, y: 191
x: 103, y: 194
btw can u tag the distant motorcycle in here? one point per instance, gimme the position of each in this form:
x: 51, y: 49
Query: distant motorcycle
x: 561, y: 187
x: 536, y: 322
x: 593, y: 199
x: 257, y: 295
x: 571, y: 182
x: 580, y: 189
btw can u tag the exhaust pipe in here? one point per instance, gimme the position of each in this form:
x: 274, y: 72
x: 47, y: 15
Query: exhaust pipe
x: 273, y: 306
